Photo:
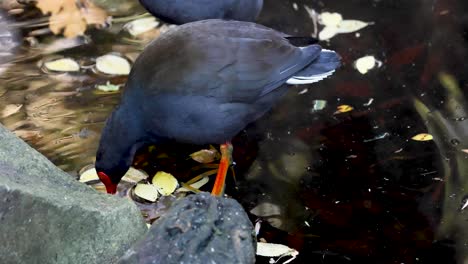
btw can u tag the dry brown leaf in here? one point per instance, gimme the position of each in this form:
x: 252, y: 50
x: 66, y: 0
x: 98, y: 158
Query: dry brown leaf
x: 71, y: 16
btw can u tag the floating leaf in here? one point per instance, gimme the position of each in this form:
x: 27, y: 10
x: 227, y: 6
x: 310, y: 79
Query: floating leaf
x: 11, y: 109
x: 108, y: 87
x: 132, y: 176
x: 148, y: 192
x: 266, y: 209
x: 62, y: 65
x: 319, y: 105
x: 141, y: 25
x: 330, y: 19
x: 205, y: 155
x: 113, y: 64
x: 328, y: 32
x: 366, y: 63
x: 165, y: 182
x: 195, y: 185
x: 334, y: 24
x: 349, y: 26
x: 343, y: 109
x: 276, y: 250
x: 422, y: 137
x: 89, y: 175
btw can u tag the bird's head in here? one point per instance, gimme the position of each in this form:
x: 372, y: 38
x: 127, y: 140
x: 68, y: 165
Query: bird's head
x: 111, y: 187
x: 110, y: 176
x: 117, y: 146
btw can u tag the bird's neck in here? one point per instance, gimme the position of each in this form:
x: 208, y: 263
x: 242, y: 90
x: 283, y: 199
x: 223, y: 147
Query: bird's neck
x: 121, y: 137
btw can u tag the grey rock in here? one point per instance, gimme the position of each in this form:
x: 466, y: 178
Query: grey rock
x: 198, y: 229
x: 46, y: 216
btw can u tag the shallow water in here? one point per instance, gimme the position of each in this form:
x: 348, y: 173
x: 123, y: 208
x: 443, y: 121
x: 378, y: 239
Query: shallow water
x: 339, y: 187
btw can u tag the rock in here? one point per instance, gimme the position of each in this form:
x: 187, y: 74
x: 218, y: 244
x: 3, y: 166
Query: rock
x: 46, y: 216
x: 198, y: 229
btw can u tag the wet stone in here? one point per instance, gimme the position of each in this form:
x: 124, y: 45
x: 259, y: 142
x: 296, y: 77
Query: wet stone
x: 198, y: 229
x: 46, y: 216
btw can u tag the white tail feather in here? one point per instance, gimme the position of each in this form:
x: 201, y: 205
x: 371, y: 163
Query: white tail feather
x: 309, y: 79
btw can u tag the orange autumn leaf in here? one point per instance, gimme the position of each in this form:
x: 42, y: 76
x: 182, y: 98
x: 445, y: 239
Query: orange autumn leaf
x: 71, y: 16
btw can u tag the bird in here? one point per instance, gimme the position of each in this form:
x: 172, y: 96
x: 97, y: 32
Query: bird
x: 202, y: 83
x: 185, y: 11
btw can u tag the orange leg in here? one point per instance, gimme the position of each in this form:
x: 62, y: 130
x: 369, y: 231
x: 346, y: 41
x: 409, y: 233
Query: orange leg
x: 226, y: 155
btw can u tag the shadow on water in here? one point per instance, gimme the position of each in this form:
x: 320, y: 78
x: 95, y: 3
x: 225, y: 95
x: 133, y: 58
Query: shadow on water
x: 340, y: 188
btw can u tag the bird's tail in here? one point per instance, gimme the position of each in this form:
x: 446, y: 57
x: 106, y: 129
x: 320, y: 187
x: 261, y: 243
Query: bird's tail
x: 317, y: 70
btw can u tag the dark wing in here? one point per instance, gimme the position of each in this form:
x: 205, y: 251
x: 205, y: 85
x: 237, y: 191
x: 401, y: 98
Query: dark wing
x: 228, y: 60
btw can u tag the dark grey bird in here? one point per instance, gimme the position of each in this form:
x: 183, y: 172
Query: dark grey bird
x: 201, y: 83
x: 185, y: 11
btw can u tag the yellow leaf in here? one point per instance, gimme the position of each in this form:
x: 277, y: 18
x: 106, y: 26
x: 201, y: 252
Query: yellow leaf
x: 113, y: 64
x: 165, y: 182
x: 63, y: 65
x: 133, y: 175
x: 422, y: 137
x: 195, y: 185
x: 148, y: 192
x: 343, y: 109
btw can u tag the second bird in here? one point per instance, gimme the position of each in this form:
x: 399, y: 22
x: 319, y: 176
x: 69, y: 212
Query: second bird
x: 185, y: 11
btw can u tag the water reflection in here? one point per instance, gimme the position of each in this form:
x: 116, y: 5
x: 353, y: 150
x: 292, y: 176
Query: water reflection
x: 339, y: 187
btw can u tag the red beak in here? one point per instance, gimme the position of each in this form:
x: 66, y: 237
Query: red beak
x: 110, y: 186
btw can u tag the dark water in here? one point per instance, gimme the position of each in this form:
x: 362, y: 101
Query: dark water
x: 340, y: 188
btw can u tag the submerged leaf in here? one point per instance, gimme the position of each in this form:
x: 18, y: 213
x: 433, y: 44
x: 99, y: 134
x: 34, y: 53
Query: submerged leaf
x: 108, y: 87
x: 205, y: 155
x: 343, y: 109
x: 319, y: 105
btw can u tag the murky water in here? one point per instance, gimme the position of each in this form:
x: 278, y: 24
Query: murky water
x: 339, y: 187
